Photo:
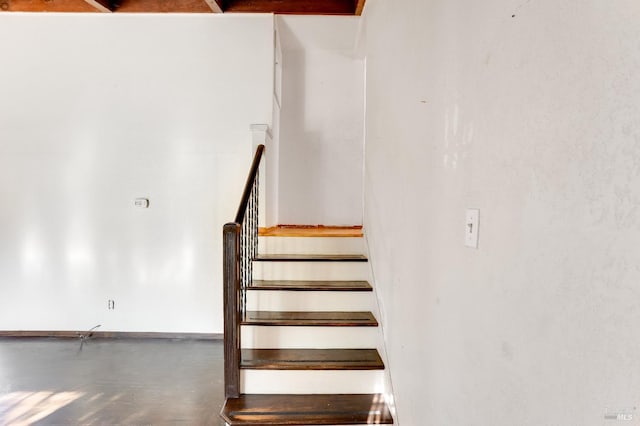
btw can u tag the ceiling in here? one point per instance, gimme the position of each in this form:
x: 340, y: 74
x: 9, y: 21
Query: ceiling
x: 298, y: 7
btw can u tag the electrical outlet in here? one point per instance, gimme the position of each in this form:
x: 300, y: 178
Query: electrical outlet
x: 111, y: 304
x: 142, y: 203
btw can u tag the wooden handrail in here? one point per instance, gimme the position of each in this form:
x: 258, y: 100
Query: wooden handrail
x: 240, y: 245
x: 246, y: 194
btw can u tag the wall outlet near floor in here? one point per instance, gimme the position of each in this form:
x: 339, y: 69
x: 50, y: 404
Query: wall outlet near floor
x: 111, y: 304
x: 472, y: 228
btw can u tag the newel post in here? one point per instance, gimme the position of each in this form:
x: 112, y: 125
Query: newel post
x: 231, y: 277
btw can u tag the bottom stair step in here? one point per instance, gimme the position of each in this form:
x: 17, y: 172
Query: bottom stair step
x: 328, y: 409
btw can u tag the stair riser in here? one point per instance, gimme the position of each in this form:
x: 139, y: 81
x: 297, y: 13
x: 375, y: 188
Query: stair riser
x: 310, y: 270
x: 268, y: 300
x: 311, y: 382
x: 302, y: 245
x: 273, y: 337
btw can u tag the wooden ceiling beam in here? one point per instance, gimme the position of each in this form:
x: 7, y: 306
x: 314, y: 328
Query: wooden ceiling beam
x: 298, y: 7
x: 101, y: 5
x: 162, y: 6
x: 148, y: 6
x: 215, y: 6
x: 46, y: 6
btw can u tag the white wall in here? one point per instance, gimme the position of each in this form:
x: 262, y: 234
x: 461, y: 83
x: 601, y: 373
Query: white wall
x: 533, y: 119
x: 322, y: 114
x: 273, y: 151
x: 96, y: 111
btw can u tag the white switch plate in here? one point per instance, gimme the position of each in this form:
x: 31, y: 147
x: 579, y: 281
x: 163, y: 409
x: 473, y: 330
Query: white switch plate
x: 471, y: 228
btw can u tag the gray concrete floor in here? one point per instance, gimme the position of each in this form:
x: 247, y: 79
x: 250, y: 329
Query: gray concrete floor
x: 110, y: 382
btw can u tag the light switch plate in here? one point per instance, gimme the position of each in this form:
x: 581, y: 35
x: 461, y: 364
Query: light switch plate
x: 472, y: 228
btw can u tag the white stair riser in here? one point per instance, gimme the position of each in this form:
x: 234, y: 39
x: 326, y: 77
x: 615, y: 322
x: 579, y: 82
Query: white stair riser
x: 315, y: 245
x: 306, y: 382
x: 310, y: 271
x: 275, y: 300
x: 301, y: 337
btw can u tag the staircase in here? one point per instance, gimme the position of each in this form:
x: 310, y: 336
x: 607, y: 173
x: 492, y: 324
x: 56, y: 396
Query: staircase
x: 308, y: 337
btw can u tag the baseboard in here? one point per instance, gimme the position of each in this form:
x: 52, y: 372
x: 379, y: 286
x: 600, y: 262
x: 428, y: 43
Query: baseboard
x: 64, y: 334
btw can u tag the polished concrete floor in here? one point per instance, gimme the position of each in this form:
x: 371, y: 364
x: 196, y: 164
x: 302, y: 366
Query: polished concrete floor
x: 110, y: 382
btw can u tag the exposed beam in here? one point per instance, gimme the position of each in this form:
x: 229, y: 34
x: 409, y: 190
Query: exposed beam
x: 163, y: 6
x: 46, y: 6
x: 299, y: 7
x: 101, y: 5
x: 215, y: 5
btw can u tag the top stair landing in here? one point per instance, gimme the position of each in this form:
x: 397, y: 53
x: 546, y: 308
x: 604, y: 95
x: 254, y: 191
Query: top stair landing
x: 311, y: 240
x: 313, y: 231
x: 311, y: 258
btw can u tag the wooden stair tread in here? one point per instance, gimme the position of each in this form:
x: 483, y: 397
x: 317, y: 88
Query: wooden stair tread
x: 334, y: 409
x: 311, y: 359
x: 311, y: 285
x: 308, y: 318
x: 311, y: 258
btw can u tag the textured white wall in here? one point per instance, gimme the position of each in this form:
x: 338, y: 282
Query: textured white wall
x: 530, y: 111
x: 96, y: 111
x: 321, y: 127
